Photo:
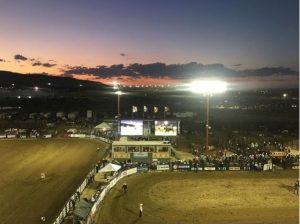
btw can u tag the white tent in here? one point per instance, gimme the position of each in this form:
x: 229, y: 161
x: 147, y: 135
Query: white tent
x: 110, y: 168
x: 103, y: 126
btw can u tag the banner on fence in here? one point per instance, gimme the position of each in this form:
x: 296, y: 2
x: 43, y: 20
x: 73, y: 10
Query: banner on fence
x: 77, y: 135
x: 142, y: 168
x: 295, y: 167
x: 234, y: 168
x: 163, y: 167
x: 209, y: 168
x: 182, y: 167
x: 198, y: 168
x: 268, y: 166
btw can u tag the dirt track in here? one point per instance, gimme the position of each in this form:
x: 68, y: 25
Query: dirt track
x: 203, y: 197
x: 24, y: 197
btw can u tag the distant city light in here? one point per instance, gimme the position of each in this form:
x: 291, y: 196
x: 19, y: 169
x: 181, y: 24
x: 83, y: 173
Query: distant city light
x: 19, y: 97
x: 80, y: 85
x: 49, y: 83
x: 36, y: 88
x: 285, y: 95
x: 208, y: 86
x: 29, y: 97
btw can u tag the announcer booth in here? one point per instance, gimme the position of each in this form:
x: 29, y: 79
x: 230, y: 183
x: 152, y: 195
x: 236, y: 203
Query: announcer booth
x: 142, y: 151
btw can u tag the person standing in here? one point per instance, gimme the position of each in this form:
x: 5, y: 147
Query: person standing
x: 125, y: 188
x: 296, y: 187
x: 141, y: 210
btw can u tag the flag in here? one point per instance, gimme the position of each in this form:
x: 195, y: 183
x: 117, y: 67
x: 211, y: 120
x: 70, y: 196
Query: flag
x: 155, y: 109
x: 134, y: 109
x: 145, y: 109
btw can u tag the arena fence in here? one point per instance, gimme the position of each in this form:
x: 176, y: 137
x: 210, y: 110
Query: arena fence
x: 90, y: 137
x: 68, y: 206
x: 109, y: 186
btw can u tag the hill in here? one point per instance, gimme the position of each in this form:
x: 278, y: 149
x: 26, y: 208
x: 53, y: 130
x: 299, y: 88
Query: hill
x: 12, y: 79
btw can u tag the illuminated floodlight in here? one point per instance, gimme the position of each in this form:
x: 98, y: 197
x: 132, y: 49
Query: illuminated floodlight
x: 119, y: 92
x: 208, y: 86
x: 115, y: 85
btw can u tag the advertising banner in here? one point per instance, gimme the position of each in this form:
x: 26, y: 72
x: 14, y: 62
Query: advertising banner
x: 209, y: 168
x: 198, y: 168
x: 278, y: 154
x: 234, y: 168
x: 182, y: 167
x: 163, y: 167
x: 295, y: 167
x: 142, y: 168
x: 140, y: 154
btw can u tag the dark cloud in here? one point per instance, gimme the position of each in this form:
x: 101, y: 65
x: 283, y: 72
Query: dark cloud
x: 236, y: 65
x: 191, y: 70
x: 2, y: 60
x: 19, y: 57
x: 100, y: 71
x: 37, y: 63
x: 47, y: 65
x: 268, y: 71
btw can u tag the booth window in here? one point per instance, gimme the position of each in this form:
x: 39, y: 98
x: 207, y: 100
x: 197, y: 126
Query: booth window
x: 133, y: 148
x: 147, y: 148
x: 119, y: 149
x: 162, y: 149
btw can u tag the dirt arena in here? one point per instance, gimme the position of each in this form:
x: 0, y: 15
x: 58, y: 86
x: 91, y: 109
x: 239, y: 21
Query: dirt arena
x: 24, y: 197
x: 203, y: 198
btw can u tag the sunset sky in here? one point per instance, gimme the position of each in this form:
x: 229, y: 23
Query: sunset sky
x: 154, y: 41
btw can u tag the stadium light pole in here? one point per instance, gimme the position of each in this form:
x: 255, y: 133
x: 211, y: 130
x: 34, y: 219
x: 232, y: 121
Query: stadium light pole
x: 208, y: 87
x: 119, y: 93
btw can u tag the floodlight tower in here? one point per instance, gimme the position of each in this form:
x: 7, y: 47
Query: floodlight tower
x: 208, y: 87
x: 119, y: 93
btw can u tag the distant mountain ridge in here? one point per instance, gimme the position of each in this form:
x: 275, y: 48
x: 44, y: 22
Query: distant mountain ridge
x: 29, y: 80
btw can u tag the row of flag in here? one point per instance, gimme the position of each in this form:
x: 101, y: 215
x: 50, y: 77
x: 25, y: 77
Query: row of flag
x: 146, y: 109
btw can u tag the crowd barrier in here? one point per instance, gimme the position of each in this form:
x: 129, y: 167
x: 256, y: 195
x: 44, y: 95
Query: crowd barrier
x: 68, y: 206
x: 109, y: 186
x: 90, y: 137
